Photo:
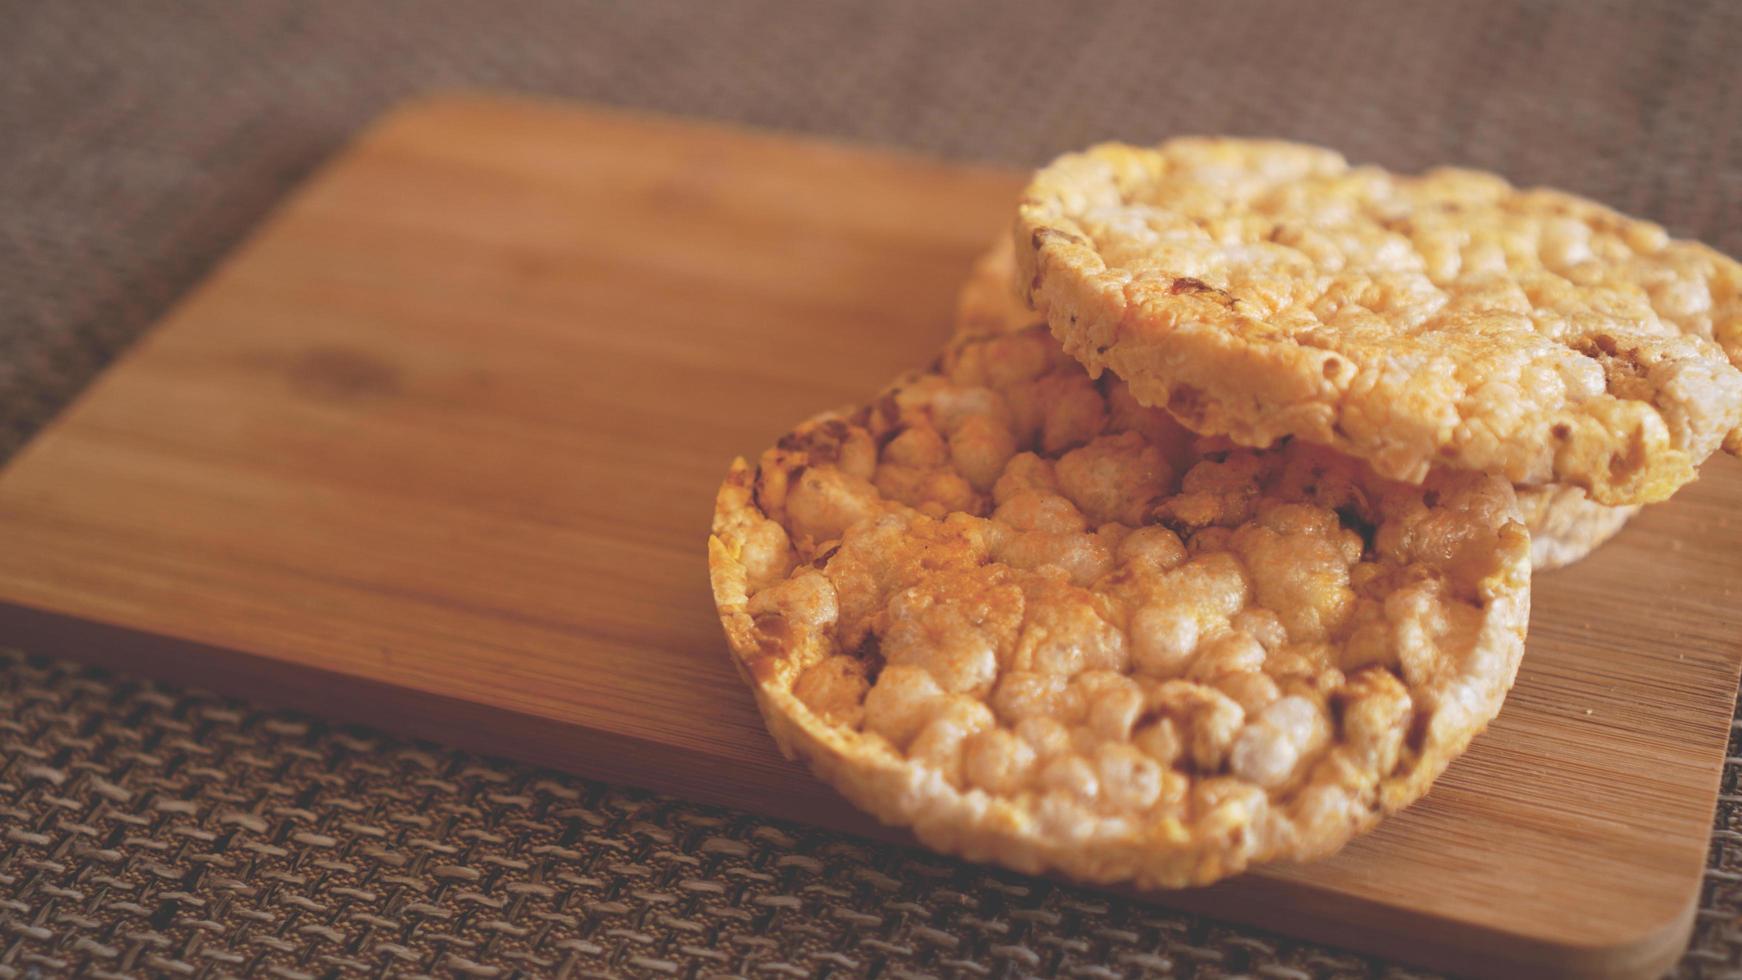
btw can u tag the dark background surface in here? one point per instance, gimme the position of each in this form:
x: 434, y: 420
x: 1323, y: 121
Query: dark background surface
x: 144, y: 829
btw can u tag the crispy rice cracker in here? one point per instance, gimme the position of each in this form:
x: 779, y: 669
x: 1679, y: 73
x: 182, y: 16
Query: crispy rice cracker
x: 1012, y: 609
x: 1261, y: 290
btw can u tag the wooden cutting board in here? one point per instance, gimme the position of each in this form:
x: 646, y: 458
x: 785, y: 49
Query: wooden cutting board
x: 435, y: 450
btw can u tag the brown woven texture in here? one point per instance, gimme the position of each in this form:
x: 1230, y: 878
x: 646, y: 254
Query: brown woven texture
x: 147, y: 831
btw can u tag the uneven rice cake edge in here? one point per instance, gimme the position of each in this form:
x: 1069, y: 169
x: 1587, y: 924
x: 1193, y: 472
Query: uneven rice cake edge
x: 1566, y: 525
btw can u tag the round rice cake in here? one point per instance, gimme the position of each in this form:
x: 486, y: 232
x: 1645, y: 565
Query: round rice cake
x: 1039, y: 624
x: 1565, y: 524
x: 1263, y: 289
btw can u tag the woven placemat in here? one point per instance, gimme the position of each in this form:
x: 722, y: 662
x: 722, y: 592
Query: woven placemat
x: 149, y: 831
x: 153, y: 831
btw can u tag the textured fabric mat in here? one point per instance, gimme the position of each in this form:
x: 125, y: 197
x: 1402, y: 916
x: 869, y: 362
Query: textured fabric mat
x: 148, y: 831
x: 154, y: 831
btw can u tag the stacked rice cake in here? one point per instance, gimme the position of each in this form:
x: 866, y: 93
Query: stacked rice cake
x: 1217, y: 556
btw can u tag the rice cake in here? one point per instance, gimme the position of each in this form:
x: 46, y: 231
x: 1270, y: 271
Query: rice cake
x: 1262, y: 289
x: 1039, y: 624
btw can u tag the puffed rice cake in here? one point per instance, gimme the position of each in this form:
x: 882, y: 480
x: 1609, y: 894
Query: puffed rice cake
x: 1041, y: 625
x: 1565, y: 524
x: 1263, y: 289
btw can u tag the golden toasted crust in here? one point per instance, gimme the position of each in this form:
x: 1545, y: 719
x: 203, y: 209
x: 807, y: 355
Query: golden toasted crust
x: 1261, y: 290
x: 1565, y: 524
x: 1009, y: 608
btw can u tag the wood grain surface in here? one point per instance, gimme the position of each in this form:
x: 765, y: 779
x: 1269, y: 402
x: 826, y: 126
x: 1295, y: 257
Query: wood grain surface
x: 436, y: 450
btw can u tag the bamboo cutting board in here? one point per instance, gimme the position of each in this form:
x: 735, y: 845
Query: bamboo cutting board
x: 436, y: 450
